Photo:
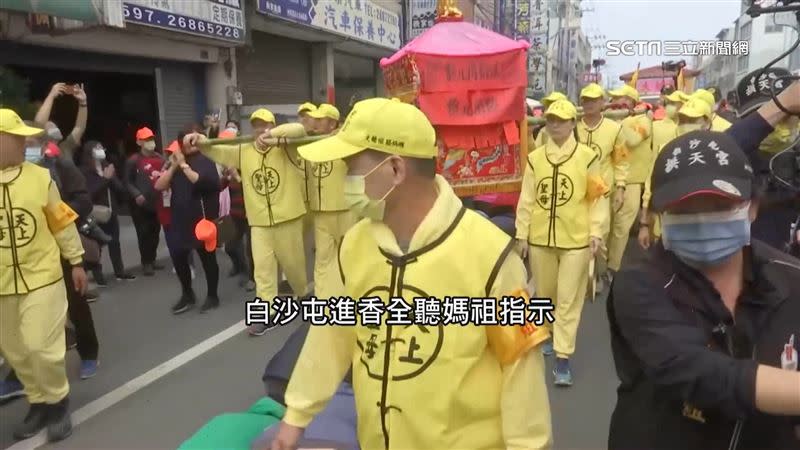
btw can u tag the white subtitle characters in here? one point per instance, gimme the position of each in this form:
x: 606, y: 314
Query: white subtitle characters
x: 420, y: 311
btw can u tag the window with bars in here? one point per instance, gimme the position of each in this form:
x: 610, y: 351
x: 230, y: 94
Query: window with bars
x: 743, y: 63
x: 746, y: 31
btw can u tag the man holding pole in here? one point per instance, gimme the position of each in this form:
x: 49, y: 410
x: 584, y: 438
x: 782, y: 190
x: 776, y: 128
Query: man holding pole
x: 326, y: 197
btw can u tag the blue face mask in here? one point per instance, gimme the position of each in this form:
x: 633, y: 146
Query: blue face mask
x: 33, y: 154
x: 706, y: 239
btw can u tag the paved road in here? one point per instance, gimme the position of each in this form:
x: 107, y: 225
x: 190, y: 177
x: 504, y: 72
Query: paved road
x: 140, y: 338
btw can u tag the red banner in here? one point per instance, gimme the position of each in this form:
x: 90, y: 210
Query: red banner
x: 652, y: 86
x: 483, y: 170
x: 473, y: 107
x: 463, y: 73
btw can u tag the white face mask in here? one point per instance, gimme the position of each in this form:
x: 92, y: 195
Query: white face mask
x: 355, y: 194
x: 99, y: 153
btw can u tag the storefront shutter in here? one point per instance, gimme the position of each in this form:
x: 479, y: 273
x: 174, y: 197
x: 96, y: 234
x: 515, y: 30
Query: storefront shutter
x: 275, y: 70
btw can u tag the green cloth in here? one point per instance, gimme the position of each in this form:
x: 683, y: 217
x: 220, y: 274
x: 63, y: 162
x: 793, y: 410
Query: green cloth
x: 236, y: 431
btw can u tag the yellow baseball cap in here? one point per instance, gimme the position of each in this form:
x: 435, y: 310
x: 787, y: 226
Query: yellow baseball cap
x: 678, y: 97
x: 625, y: 91
x: 593, y: 90
x: 11, y: 123
x: 563, y: 109
x: 695, y: 108
x: 389, y: 126
x: 705, y: 96
x: 325, y: 111
x: 306, y: 107
x: 552, y: 97
x: 263, y: 114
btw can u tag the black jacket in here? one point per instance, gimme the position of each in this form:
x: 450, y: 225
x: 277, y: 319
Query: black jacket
x: 670, y: 338
x: 189, y: 201
x: 71, y: 184
x: 101, y: 188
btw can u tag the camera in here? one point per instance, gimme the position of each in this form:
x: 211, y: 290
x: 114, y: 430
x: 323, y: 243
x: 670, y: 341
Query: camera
x: 91, y: 229
x: 673, y: 66
x: 772, y: 7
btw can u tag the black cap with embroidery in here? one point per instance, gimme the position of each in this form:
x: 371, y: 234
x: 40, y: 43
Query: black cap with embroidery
x: 752, y: 93
x: 700, y: 162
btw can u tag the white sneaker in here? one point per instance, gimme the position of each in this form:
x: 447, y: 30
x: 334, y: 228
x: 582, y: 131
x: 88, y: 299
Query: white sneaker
x: 193, y: 274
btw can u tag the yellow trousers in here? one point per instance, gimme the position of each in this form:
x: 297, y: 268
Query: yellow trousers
x: 280, y: 244
x: 32, y: 340
x: 621, y: 223
x: 562, y: 275
x: 329, y: 228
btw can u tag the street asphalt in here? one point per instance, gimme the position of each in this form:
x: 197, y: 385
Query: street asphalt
x: 140, y: 340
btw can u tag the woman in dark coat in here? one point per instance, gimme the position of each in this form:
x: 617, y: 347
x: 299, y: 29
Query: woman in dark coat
x: 195, y: 185
x: 104, y: 186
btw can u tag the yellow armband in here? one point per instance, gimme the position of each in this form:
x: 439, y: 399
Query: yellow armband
x: 620, y: 153
x: 631, y: 136
x: 643, y: 130
x: 59, y: 216
x: 509, y: 342
x: 595, y: 187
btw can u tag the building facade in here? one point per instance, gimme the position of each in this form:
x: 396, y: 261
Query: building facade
x: 148, y: 63
x: 321, y: 51
x: 767, y: 35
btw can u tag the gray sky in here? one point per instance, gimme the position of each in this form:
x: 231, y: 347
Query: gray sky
x: 669, y: 20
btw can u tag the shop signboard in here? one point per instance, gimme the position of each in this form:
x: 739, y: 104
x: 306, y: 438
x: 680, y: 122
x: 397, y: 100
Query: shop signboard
x: 422, y: 15
x: 214, y: 19
x: 361, y: 20
x: 537, y: 61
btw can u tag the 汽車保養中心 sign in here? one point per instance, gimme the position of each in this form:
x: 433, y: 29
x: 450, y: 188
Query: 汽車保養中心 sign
x: 362, y: 20
x: 214, y: 19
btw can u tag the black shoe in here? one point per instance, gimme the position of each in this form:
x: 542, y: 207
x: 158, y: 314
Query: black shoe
x: 34, y: 422
x: 186, y: 303
x: 59, y: 423
x: 284, y: 288
x: 125, y: 276
x: 91, y: 296
x: 148, y: 270
x: 100, y: 279
x: 209, y: 304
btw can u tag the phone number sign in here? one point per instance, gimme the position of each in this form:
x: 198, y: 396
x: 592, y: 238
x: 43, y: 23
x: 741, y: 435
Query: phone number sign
x: 215, y: 19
